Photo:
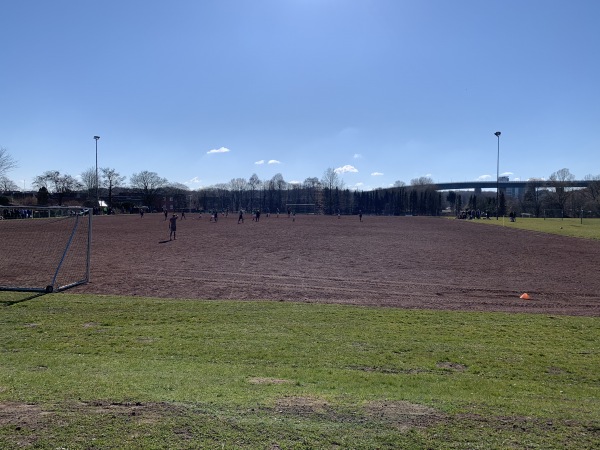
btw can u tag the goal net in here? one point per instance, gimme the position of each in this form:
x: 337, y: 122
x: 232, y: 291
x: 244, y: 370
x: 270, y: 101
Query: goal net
x: 44, y: 249
x: 301, y: 208
x: 554, y: 214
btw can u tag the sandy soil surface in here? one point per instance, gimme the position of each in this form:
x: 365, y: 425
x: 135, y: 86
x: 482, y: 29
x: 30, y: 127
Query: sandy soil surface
x: 404, y: 262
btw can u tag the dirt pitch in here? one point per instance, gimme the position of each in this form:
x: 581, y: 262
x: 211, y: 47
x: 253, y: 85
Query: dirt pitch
x: 404, y: 262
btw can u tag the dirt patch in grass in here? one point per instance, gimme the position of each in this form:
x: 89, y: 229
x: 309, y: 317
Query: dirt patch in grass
x: 555, y: 371
x: 31, y: 416
x: 144, y: 412
x: 20, y: 414
x: 29, y: 424
x: 390, y: 370
x: 398, y: 414
x: 24, y: 419
x: 452, y: 366
x: 403, y: 415
x: 264, y: 380
x: 302, y: 405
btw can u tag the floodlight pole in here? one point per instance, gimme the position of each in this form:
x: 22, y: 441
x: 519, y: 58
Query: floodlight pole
x: 97, y: 197
x: 497, y: 133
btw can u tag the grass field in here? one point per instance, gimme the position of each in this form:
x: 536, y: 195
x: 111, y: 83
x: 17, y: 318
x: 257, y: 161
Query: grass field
x: 586, y: 228
x: 109, y: 372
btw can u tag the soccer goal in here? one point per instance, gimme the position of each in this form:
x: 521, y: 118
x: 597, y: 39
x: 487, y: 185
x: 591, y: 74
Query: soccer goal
x: 554, y: 214
x: 301, y: 208
x: 44, y: 249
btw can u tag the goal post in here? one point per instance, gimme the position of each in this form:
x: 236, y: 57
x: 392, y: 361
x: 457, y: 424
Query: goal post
x: 554, y: 214
x: 301, y: 208
x: 44, y: 249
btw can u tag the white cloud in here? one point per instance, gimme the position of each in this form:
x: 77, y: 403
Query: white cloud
x: 218, y: 150
x: 491, y: 178
x: 295, y: 182
x: 377, y: 174
x: 346, y: 168
x: 274, y: 161
x: 357, y: 156
x: 262, y: 161
x: 194, y: 180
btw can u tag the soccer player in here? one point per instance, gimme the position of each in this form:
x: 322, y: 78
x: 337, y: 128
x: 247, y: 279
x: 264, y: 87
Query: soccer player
x: 173, y: 227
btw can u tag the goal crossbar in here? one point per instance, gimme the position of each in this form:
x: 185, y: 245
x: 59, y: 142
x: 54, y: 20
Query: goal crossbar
x: 302, y: 208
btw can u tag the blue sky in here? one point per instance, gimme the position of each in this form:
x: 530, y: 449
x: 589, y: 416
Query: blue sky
x: 201, y: 92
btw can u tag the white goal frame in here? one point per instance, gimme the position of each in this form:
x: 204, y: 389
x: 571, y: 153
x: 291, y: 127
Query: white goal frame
x: 302, y: 208
x: 37, y: 262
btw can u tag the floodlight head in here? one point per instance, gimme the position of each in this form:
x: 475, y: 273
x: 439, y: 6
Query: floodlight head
x: 96, y: 137
x: 497, y: 133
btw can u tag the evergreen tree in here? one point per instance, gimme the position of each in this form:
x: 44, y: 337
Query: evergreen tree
x: 43, y: 196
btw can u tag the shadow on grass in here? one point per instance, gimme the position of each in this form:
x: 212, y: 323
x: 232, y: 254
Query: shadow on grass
x: 21, y: 297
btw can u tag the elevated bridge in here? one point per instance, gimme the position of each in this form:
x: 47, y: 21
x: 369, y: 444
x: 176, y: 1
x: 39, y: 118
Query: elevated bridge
x: 503, y: 185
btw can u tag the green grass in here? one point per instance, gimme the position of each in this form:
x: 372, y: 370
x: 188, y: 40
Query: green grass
x: 587, y: 229
x: 108, y: 372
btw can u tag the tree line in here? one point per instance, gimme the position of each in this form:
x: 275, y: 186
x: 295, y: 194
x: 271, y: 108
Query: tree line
x: 325, y: 195
x: 537, y: 199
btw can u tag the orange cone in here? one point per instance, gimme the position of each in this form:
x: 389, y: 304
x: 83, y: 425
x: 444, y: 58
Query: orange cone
x: 525, y: 296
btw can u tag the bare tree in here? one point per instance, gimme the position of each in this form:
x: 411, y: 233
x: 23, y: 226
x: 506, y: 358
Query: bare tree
x: 48, y: 180
x: 422, y: 181
x: 237, y: 187
x: 594, y: 186
x: 560, y: 181
x: 180, y: 194
x: 7, y: 185
x: 111, y: 179
x: 6, y: 162
x: 330, y: 180
x: 253, y: 183
x: 593, y: 190
x: 399, y: 183
x: 532, y: 199
x: 278, y: 184
x: 222, y: 196
x: 279, y: 181
x: 53, y: 181
x: 88, y: 179
x: 149, y: 184
x: 312, y: 185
